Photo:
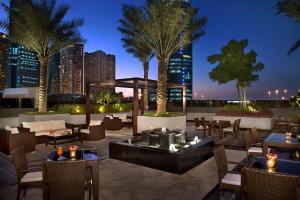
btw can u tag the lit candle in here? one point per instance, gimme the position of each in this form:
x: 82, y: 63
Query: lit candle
x: 271, y: 160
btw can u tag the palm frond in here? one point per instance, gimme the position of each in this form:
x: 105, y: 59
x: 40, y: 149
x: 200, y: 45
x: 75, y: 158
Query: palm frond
x: 294, y: 47
x: 290, y: 7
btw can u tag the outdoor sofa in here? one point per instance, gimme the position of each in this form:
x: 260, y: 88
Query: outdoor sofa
x: 43, y: 129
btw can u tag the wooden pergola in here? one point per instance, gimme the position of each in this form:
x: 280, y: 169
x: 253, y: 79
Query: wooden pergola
x: 136, y: 84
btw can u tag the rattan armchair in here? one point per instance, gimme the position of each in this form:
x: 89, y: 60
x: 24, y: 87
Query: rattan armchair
x: 25, y: 178
x: 252, y: 149
x: 200, y: 126
x: 9, y: 141
x: 112, y: 124
x: 92, y: 133
x: 259, y: 184
x: 227, y: 180
x: 64, y: 180
x: 233, y: 130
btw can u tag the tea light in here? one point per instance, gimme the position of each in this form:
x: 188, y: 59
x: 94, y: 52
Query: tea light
x: 271, y: 160
x: 288, y: 135
x: 73, y: 154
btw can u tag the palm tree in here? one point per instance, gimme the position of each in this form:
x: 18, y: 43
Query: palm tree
x: 292, y: 9
x: 136, y: 48
x: 40, y: 26
x: 165, y: 27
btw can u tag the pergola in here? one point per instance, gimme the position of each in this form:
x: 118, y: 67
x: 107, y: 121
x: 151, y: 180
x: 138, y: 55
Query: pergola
x: 136, y: 84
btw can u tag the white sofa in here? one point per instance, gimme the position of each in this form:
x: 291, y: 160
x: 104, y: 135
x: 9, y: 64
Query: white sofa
x: 43, y: 128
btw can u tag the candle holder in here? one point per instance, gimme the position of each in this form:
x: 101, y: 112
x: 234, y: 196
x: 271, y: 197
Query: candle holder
x: 271, y: 161
x: 59, y: 151
x: 72, y: 150
x: 73, y: 154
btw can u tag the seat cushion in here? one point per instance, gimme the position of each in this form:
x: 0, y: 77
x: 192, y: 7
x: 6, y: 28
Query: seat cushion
x: 41, y: 133
x: 201, y: 127
x: 62, y: 132
x: 255, y: 150
x: 33, y: 126
x: 85, y: 131
x: 32, y: 177
x: 229, y: 129
x: 58, y: 124
x: 95, y: 122
x: 12, y: 130
x: 46, y: 125
x: 232, y: 179
x: 121, y: 116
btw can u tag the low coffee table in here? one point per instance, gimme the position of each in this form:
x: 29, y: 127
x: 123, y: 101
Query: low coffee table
x: 69, y: 136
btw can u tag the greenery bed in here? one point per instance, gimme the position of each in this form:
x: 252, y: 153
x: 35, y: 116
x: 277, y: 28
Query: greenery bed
x: 240, y: 111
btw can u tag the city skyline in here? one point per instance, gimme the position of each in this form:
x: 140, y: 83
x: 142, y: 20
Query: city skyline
x: 269, y: 34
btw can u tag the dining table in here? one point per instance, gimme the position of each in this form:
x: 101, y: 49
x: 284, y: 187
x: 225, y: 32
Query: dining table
x: 280, y: 140
x: 282, y: 166
x: 92, y: 158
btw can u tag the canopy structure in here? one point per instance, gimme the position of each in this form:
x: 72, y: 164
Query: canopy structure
x: 136, y: 84
x: 19, y: 93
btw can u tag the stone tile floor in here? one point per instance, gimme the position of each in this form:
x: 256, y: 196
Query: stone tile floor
x: 122, y: 180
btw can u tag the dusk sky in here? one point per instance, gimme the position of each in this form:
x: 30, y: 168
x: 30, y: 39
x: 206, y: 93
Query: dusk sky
x: 269, y: 34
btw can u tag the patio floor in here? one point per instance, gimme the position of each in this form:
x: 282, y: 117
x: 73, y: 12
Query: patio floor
x: 122, y: 180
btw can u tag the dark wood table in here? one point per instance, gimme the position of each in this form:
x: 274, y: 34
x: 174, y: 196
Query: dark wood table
x: 280, y: 140
x: 92, y: 159
x: 282, y: 166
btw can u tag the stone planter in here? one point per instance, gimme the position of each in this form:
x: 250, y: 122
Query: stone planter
x: 147, y: 123
x: 33, y: 118
x: 264, y: 123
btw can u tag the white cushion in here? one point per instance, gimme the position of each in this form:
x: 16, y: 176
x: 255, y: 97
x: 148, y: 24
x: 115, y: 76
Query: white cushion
x: 109, y: 116
x: 85, y: 131
x: 95, y: 122
x: 232, y: 179
x: 62, y: 132
x: 45, y: 125
x: 59, y: 124
x: 229, y: 129
x: 32, y: 177
x: 126, y: 120
x: 41, y: 133
x: 255, y: 150
x: 121, y: 116
x: 12, y: 130
x: 201, y: 127
x: 33, y: 126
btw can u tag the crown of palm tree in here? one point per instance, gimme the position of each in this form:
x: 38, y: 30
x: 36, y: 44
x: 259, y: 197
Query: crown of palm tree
x: 40, y: 26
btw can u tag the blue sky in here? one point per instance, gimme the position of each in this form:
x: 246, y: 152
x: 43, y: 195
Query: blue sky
x: 269, y: 34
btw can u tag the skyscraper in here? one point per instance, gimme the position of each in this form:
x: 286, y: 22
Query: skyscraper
x: 54, y: 72
x: 71, y: 70
x: 180, y: 70
x: 4, y: 50
x: 99, y: 67
x: 23, y: 67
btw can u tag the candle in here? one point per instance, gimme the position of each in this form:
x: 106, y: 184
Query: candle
x: 271, y: 160
x: 73, y: 154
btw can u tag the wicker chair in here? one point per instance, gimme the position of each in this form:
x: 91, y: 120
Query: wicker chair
x: 200, y: 126
x: 232, y: 130
x: 227, y: 180
x: 64, y: 180
x: 92, y: 133
x: 256, y: 137
x: 281, y: 126
x: 252, y: 149
x: 9, y: 141
x: 259, y: 184
x: 112, y: 124
x: 25, y: 178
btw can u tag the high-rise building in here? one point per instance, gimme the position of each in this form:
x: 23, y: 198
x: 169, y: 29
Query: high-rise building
x: 180, y: 70
x: 71, y: 69
x: 54, y: 72
x: 23, y: 67
x: 4, y: 51
x: 99, y: 67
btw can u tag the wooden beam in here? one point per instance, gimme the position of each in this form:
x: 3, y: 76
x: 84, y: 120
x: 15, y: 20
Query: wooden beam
x: 87, y: 103
x: 135, y: 106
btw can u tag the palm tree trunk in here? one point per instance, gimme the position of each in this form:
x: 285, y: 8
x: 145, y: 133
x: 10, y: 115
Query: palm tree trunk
x: 43, y: 85
x: 146, y: 90
x: 161, y: 97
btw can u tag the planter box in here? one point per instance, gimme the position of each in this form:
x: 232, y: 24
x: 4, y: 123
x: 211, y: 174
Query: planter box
x: 264, y: 123
x: 147, y: 123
